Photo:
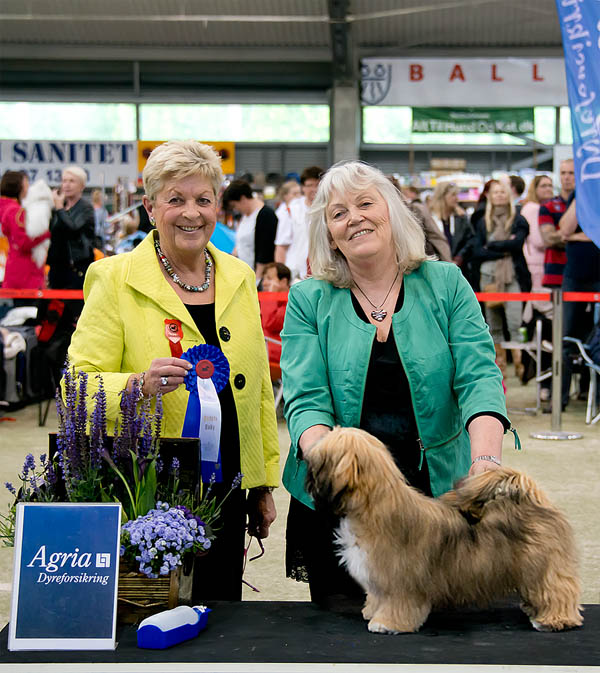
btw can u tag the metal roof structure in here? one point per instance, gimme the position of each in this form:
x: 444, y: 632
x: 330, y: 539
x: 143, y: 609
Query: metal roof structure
x: 146, y: 46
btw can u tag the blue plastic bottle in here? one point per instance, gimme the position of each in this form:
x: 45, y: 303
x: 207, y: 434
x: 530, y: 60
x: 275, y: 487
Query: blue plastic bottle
x: 171, y: 627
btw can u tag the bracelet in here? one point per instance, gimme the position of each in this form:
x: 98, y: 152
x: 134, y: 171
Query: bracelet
x: 492, y: 459
x: 263, y: 489
x: 141, y: 386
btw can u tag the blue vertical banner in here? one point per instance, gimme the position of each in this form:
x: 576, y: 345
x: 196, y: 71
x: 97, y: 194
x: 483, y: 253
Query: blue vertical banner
x: 580, y: 28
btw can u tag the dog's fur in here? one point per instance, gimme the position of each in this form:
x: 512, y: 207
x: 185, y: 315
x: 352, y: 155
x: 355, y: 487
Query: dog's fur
x: 496, y: 534
x: 38, y: 206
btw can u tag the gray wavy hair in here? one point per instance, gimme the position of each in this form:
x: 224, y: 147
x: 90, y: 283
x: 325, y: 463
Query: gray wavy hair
x: 350, y: 177
x: 178, y: 159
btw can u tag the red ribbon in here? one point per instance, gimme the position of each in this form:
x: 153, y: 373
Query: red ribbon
x: 174, y: 334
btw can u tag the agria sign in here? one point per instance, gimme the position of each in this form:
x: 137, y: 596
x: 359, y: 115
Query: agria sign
x: 52, y: 563
x: 66, y: 571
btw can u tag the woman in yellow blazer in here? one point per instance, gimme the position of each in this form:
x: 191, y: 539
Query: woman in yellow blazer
x: 173, y: 292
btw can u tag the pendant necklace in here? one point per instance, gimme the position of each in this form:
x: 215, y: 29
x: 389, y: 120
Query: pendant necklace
x: 176, y: 279
x: 379, y: 314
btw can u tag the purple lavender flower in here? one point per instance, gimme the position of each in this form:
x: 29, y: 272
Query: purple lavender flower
x: 11, y: 488
x: 28, y: 465
x: 175, y: 466
x: 146, y: 428
x: 98, y: 429
x: 158, y: 414
x: 236, y: 481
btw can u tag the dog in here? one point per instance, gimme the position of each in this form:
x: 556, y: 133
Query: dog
x: 495, y: 534
x: 38, y: 206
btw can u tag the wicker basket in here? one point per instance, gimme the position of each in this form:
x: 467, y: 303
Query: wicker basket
x: 140, y: 596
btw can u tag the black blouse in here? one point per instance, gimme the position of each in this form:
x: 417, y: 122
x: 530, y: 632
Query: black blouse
x: 387, y: 411
x: 204, y: 317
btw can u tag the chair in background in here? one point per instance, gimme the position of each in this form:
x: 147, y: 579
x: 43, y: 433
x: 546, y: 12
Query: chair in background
x: 592, y: 415
x: 275, y: 373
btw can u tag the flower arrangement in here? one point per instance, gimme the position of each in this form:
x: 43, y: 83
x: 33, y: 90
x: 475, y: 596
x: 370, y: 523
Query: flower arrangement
x: 163, y: 522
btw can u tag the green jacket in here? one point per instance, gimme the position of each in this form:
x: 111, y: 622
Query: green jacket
x: 445, y: 348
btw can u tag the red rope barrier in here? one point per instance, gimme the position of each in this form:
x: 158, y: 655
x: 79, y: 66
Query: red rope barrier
x: 269, y: 297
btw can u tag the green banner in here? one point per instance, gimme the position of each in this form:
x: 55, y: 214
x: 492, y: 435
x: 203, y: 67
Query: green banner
x: 472, y: 120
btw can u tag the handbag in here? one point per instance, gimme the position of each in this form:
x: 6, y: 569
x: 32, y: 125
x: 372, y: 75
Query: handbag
x: 494, y: 303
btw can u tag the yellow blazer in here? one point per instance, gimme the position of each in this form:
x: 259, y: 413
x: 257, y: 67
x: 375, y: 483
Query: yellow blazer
x: 121, y: 330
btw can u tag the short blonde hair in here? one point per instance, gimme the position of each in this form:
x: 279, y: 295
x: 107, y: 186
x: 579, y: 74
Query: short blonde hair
x: 533, y: 185
x: 177, y: 159
x: 286, y: 188
x: 350, y: 177
x: 77, y: 172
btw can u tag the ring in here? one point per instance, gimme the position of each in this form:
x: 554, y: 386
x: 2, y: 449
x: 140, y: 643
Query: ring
x: 164, y: 381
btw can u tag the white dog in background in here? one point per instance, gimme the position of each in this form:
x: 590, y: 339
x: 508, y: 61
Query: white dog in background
x: 38, y: 206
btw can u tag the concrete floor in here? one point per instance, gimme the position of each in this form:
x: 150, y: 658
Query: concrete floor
x: 569, y: 471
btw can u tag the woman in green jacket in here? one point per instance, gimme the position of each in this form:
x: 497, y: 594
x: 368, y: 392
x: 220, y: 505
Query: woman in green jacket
x: 177, y: 295
x: 383, y: 339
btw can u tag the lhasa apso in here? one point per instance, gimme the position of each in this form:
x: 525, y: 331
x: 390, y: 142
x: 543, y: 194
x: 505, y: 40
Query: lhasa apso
x: 497, y: 533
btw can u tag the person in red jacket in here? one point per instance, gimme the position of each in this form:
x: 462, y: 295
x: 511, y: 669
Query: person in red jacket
x: 276, y: 278
x: 21, y: 271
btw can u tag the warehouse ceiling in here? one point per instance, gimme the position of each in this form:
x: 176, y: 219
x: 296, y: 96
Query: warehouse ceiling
x: 280, y: 44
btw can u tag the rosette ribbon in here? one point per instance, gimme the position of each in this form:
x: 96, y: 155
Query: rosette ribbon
x: 204, y: 381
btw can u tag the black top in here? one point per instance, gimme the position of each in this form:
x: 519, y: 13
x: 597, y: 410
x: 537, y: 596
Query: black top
x: 583, y: 258
x: 387, y: 411
x: 264, y: 236
x: 204, y: 317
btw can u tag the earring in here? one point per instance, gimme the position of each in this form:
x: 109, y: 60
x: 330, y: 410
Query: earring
x: 152, y: 220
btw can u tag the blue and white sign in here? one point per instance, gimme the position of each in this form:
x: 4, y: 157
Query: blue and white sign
x: 65, y: 577
x: 105, y: 162
x: 580, y: 27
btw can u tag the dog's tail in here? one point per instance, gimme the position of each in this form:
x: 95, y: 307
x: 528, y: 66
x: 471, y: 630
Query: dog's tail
x: 473, y: 493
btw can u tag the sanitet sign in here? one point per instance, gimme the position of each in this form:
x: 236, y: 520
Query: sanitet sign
x: 473, y: 120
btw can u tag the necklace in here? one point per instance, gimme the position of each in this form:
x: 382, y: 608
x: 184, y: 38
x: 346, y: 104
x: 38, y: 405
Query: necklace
x: 176, y: 279
x: 378, y: 314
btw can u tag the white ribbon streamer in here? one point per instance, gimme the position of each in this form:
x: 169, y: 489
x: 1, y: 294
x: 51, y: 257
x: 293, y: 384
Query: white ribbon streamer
x: 210, y: 420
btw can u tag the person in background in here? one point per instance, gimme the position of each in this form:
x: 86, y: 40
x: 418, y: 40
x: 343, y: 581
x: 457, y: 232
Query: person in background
x: 292, y: 237
x: 517, y: 187
x: 100, y: 217
x: 549, y: 216
x: 73, y: 232
x: 540, y: 191
x: 288, y: 192
x: 382, y: 339
x: 255, y: 237
x: 21, y: 270
x: 499, y: 238
x: 582, y: 274
x: 454, y: 225
x: 435, y: 241
x: 177, y: 278
x: 276, y: 278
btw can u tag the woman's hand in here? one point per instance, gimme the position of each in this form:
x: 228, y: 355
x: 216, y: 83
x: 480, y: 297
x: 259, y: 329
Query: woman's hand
x: 261, y: 512
x: 173, y: 370
x: 311, y: 436
x: 486, y: 434
x: 59, y: 199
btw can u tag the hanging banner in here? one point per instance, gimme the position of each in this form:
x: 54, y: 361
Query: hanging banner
x: 225, y: 150
x: 104, y: 162
x: 501, y: 82
x: 472, y: 120
x: 580, y: 27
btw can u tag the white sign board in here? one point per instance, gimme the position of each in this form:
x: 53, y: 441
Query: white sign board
x: 103, y: 161
x: 446, y: 82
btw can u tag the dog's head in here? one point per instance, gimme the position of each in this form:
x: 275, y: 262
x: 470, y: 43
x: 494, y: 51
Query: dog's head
x: 347, y: 468
x: 38, y: 192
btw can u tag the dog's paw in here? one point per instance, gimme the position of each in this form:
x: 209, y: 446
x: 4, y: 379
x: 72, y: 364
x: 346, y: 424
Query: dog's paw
x: 376, y: 627
x: 540, y: 627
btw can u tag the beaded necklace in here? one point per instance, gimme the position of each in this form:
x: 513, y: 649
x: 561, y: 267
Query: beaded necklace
x: 176, y: 279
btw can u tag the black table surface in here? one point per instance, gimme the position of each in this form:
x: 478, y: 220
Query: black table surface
x: 300, y: 632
